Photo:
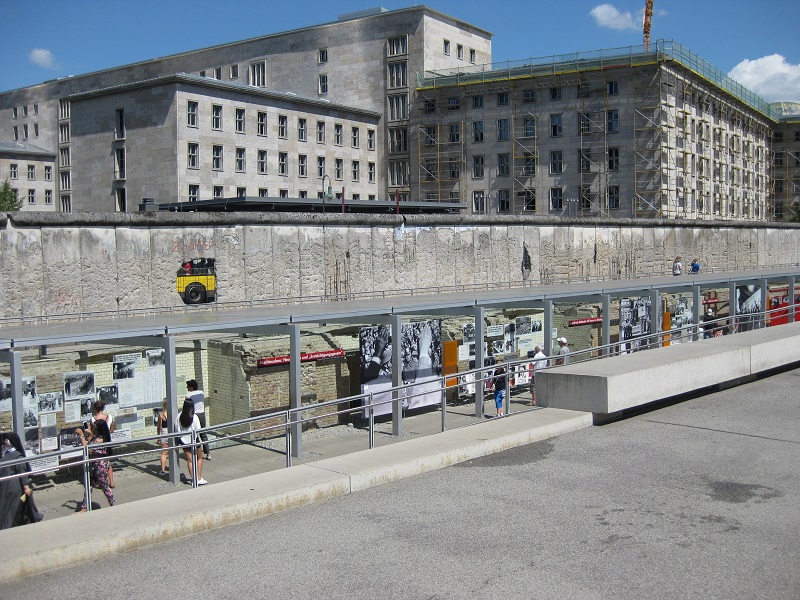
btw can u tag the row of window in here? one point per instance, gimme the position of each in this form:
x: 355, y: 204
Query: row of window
x: 262, y: 163
x: 587, y: 200
x: 459, y: 51
x: 13, y: 172
x: 504, y: 98
x: 48, y: 196
x: 777, y: 136
x: 25, y: 131
x: 218, y: 192
x: 262, y: 128
x: 15, y: 112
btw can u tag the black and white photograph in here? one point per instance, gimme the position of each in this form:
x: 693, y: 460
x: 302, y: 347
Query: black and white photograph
x: 469, y: 332
x: 108, y: 394
x: 51, y: 402
x: 5, y: 395
x: 86, y: 407
x: 498, y: 346
x: 155, y: 357
x: 124, y: 370
x: 421, y: 350
x: 634, y: 322
x: 681, y: 318
x: 78, y: 383
x: 748, y: 305
x: 523, y: 325
x: 31, y: 441
x: 509, y: 334
x: 29, y: 393
x: 375, y: 344
x: 30, y: 418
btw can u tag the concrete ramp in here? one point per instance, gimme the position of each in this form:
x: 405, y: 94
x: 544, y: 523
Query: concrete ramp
x: 611, y: 385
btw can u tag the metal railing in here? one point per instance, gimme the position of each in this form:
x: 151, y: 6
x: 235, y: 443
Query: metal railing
x: 367, y: 404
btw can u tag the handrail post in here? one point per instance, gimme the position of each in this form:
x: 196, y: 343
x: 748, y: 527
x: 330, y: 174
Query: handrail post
x: 288, y: 429
x: 371, y: 417
x: 443, y: 386
x: 195, y: 476
x: 87, y: 480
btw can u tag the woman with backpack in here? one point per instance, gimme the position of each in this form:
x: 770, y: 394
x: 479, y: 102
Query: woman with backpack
x: 188, y: 425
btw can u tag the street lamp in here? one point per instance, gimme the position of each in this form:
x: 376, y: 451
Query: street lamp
x: 327, y: 195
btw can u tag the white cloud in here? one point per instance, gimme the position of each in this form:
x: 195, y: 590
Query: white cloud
x: 607, y: 15
x: 771, y: 77
x: 43, y: 58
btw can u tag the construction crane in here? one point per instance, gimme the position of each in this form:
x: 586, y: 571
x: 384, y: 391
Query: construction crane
x: 648, y: 17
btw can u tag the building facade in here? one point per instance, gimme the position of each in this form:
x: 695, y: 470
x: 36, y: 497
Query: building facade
x: 29, y: 171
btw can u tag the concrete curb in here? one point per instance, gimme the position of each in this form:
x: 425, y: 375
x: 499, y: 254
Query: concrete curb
x: 49, y: 545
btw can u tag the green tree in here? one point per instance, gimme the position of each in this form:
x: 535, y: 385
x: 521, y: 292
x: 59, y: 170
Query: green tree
x: 8, y: 201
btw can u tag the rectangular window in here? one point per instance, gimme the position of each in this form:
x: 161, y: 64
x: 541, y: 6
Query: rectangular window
x: 529, y: 164
x: 119, y: 163
x: 477, y: 131
x: 301, y: 130
x: 477, y: 101
x: 528, y: 96
x: 556, y: 128
x: 14, y: 112
x: 613, y: 159
x: 585, y: 123
x: 370, y: 139
x: 556, y: 198
x: 398, y: 107
x: 502, y: 99
x: 12, y: 171
x: 31, y: 196
x: 555, y: 93
x: 612, y: 121
x: 585, y: 160
x: 240, y: 160
x: 63, y: 133
x: 529, y: 127
x: 262, y: 123
x: 283, y: 163
x: 472, y: 55
x: 31, y: 172
x: 454, y: 103
x: 258, y: 74
x: 320, y: 132
x: 283, y: 193
x: 216, y: 158
x: 338, y: 169
x: 323, y: 56
x: 429, y: 135
x: 193, y: 156
x: 355, y: 137
x: 48, y: 173
x: 320, y: 166
x: 241, y: 192
x: 323, y: 83
x: 64, y: 157
x: 503, y: 201
x: 612, y: 88
x: 777, y: 159
x: 503, y: 165
x: 48, y: 196
x: 398, y: 74
x: 528, y: 199
x: 66, y: 203
x: 613, y: 196
x: 35, y: 130
x: 455, y: 168
x: 398, y: 45
x: 66, y: 180
x: 398, y: 139
x: 16, y: 133
x: 459, y: 52
x: 430, y: 106
x: 283, y: 126
x: 63, y: 109
x: 478, y: 202
x: 119, y: 131
x: 398, y: 172
x: 503, y: 132
x: 217, y: 192
x: 455, y: 133
x: 356, y: 168
x: 194, y: 192
x: 25, y: 131
x: 302, y: 165
x: 337, y: 134
x: 263, y: 193
x: 477, y: 166
x: 556, y: 162
x: 371, y: 172
x: 218, y: 73
x: 446, y: 47
x: 216, y: 117
x: 239, y: 120
x: 585, y: 197
x: 262, y: 162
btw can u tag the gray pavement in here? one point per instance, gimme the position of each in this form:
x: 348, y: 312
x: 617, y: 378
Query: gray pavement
x: 697, y: 499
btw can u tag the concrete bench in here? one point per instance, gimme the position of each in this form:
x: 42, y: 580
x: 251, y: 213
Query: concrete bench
x: 609, y: 386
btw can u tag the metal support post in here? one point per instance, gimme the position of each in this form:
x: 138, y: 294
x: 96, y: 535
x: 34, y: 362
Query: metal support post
x: 14, y: 359
x: 697, y: 312
x: 478, y: 314
x: 548, y: 327
x: 763, y: 284
x: 171, y: 384
x: 397, y: 375
x: 605, y: 334
x: 655, y: 315
x: 732, y: 306
x: 295, y: 396
x: 791, y: 293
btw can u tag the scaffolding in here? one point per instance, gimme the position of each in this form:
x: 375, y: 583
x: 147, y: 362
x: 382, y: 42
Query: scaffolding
x: 440, y: 151
x: 525, y: 153
x: 594, y: 160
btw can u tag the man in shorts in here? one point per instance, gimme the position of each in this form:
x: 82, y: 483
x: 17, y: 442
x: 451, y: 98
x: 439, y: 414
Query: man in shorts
x: 539, y: 362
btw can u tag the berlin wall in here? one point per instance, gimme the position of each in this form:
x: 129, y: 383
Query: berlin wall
x: 54, y: 264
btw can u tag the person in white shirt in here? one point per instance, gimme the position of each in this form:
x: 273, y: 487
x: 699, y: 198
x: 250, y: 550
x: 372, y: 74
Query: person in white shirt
x: 563, y: 353
x: 199, y: 400
x: 187, y: 424
x: 539, y: 362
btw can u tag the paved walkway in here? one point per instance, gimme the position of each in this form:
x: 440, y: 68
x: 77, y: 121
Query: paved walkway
x: 248, y: 481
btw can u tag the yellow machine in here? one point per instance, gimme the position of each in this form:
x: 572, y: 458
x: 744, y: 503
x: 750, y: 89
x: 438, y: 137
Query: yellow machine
x: 196, y: 281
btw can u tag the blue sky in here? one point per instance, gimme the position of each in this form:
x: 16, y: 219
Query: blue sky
x: 755, y: 40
